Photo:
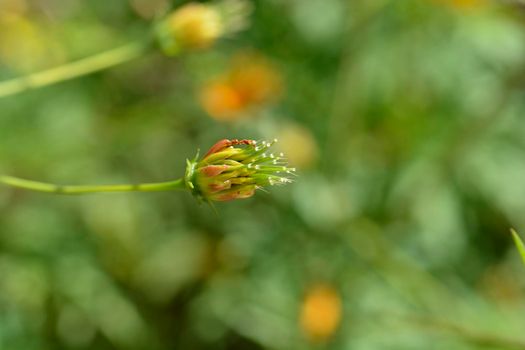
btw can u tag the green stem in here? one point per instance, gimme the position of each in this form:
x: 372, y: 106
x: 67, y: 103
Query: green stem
x: 519, y: 244
x: 74, y: 69
x: 85, y: 189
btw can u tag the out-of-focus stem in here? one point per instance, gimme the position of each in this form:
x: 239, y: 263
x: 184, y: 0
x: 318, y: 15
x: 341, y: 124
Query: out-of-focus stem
x: 75, y: 69
x: 86, y: 189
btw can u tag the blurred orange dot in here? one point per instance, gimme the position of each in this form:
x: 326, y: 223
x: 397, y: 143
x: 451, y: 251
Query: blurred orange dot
x: 249, y: 83
x: 221, y: 101
x: 255, y: 78
x: 321, y: 312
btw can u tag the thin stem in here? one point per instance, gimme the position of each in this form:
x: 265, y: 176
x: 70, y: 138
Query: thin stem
x: 74, y: 69
x: 85, y: 189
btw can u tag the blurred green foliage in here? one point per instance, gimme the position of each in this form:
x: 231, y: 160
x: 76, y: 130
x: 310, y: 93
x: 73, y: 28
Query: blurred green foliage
x: 412, y: 117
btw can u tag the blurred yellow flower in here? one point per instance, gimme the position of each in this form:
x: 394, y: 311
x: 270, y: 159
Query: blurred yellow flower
x: 299, y: 145
x: 199, y: 25
x: 250, y: 82
x: 321, y: 312
x: 24, y: 45
x: 196, y: 25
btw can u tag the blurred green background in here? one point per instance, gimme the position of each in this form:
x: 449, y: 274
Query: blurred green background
x: 405, y: 119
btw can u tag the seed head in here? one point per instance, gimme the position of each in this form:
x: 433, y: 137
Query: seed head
x: 234, y: 169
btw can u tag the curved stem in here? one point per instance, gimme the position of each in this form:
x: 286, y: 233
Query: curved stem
x: 85, y: 189
x: 74, y: 69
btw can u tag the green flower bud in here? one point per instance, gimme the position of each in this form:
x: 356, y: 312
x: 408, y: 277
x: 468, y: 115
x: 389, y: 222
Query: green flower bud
x: 234, y: 169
